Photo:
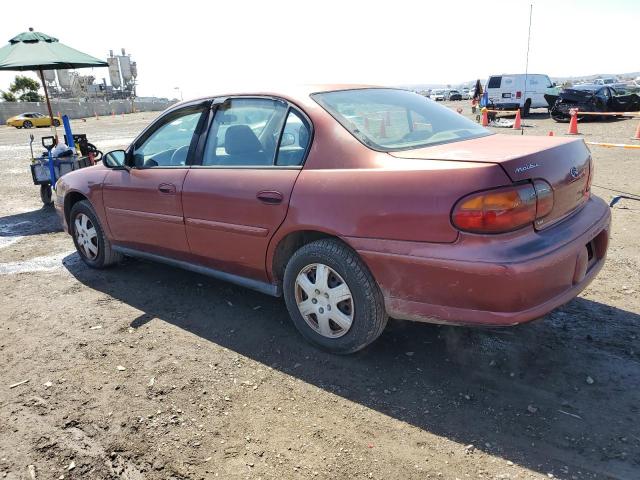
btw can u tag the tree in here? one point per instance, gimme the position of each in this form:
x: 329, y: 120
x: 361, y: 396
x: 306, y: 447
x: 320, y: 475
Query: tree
x: 8, y: 96
x: 25, y: 88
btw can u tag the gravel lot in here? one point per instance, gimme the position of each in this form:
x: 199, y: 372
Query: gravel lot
x: 148, y: 372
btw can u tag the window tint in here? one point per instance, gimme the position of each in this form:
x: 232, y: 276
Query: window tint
x: 494, y: 82
x: 294, y: 141
x: 168, y: 145
x: 393, y: 119
x: 245, y: 132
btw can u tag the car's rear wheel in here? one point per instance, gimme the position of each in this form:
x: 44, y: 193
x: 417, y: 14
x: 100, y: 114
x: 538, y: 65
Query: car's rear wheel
x: 56, y: 122
x: 89, y: 238
x: 332, y: 298
x: 27, y: 124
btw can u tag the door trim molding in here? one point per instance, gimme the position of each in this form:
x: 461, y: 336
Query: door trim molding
x: 157, y: 217
x: 262, y: 287
x: 227, y: 227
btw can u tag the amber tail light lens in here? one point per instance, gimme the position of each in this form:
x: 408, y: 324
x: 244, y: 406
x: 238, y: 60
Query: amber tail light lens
x: 503, y: 209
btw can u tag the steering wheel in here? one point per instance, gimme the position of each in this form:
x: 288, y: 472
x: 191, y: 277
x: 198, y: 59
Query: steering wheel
x: 179, y: 157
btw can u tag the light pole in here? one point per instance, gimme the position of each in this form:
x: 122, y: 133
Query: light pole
x: 179, y: 90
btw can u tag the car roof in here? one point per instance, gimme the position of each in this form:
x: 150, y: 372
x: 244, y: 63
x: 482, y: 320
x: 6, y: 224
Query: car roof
x: 294, y: 93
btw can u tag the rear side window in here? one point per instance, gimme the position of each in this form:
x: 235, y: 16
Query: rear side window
x: 245, y: 132
x: 294, y: 140
x: 387, y: 119
x: 494, y: 82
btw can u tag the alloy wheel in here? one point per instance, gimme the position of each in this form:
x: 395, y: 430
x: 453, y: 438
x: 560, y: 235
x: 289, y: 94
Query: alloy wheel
x: 324, y: 300
x: 86, y: 236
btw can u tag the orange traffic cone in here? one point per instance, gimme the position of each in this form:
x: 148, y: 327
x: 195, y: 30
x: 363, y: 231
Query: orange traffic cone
x: 485, y: 117
x: 517, y: 123
x: 573, y: 124
x: 637, y: 135
x: 551, y: 133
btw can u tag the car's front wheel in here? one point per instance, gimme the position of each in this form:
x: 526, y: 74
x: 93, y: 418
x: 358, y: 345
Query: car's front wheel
x: 332, y: 298
x: 89, y: 238
x: 27, y: 124
x: 56, y: 122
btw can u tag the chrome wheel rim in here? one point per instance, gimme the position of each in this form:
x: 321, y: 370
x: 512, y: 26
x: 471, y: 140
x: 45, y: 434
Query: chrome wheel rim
x: 324, y: 300
x: 86, y: 236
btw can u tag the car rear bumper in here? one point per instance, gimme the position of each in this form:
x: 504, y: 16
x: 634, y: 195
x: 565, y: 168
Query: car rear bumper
x: 490, y: 280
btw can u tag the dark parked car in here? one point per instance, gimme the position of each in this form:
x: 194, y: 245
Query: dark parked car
x: 354, y: 203
x: 453, y: 95
x: 590, y: 98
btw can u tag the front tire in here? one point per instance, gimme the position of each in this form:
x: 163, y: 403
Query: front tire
x: 27, y: 124
x: 56, y: 122
x: 332, y: 298
x: 89, y: 238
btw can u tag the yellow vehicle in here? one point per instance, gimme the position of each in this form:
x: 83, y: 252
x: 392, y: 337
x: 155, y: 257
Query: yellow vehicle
x: 33, y: 119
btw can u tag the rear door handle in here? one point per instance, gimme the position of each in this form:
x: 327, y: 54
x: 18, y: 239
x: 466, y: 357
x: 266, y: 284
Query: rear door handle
x: 270, y: 197
x: 167, y: 188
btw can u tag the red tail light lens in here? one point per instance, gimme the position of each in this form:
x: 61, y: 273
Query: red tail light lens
x: 503, y: 209
x: 518, y: 94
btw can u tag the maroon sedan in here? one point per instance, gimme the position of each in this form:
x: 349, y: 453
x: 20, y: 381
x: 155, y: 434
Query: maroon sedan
x: 355, y: 204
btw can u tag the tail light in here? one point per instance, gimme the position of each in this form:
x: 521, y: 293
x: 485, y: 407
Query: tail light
x: 518, y: 94
x: 503, y: 209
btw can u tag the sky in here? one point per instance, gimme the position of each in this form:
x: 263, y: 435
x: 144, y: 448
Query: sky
x: 207, y: 47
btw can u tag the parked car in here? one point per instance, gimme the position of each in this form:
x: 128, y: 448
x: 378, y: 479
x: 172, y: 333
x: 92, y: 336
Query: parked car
x: 32, y: 119
x: 591, y: 98
x: 466, y: 94
x: 383, y: 203
x: 605, y: 81
x: 437, y: 95
x: 453, y: 95
x: 508, y: 92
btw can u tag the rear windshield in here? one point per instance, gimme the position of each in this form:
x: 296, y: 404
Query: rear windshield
x: 388, y: 119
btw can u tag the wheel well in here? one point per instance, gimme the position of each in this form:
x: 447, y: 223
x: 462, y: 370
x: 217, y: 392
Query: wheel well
x: 288, y: 246
x: 69, y: 201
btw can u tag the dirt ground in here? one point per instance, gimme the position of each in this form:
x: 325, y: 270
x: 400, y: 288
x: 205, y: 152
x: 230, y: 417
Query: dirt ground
x: 148, y: 372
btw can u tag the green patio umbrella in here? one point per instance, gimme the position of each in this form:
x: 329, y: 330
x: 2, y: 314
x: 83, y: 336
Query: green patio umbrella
x: 38, y: 51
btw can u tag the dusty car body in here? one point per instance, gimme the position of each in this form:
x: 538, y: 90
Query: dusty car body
x: 590, y: 98
x: 385, y: 204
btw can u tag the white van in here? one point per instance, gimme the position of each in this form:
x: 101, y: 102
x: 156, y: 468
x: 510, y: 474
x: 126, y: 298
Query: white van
x: 508, y: 92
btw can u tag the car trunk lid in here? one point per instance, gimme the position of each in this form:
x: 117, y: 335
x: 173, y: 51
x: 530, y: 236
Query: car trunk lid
x: 564, y: 163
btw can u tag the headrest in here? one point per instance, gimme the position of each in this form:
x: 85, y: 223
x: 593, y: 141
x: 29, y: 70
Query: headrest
x: 240, y: 139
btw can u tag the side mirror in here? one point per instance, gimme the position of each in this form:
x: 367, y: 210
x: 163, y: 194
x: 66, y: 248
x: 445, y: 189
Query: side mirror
x: 287, y: 139
x: 115, y: 159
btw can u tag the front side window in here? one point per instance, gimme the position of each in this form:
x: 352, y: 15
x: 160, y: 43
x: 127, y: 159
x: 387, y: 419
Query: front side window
x: 168, y: 146
x: 245, y: 132
x: 387, y: 119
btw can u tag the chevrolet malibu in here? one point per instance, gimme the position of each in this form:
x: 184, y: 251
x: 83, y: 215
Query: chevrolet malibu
x: 355, y: 204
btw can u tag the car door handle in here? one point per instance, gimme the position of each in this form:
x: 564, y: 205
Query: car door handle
x: 270, y: 197
x: 167, y: 188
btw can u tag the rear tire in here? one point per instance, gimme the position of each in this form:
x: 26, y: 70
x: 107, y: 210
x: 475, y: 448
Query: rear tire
x: 89, y: 238
x: 526, y: 109
x: 56, y: 122
x: 27, y: 124
x: 358, y: 316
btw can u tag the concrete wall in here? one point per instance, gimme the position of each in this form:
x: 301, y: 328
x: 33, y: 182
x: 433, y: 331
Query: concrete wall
x: 80, y: 109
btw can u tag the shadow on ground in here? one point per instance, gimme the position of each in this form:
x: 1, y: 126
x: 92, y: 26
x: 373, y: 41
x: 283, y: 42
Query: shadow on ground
x: 523, y: 393
x: 35, y: 222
